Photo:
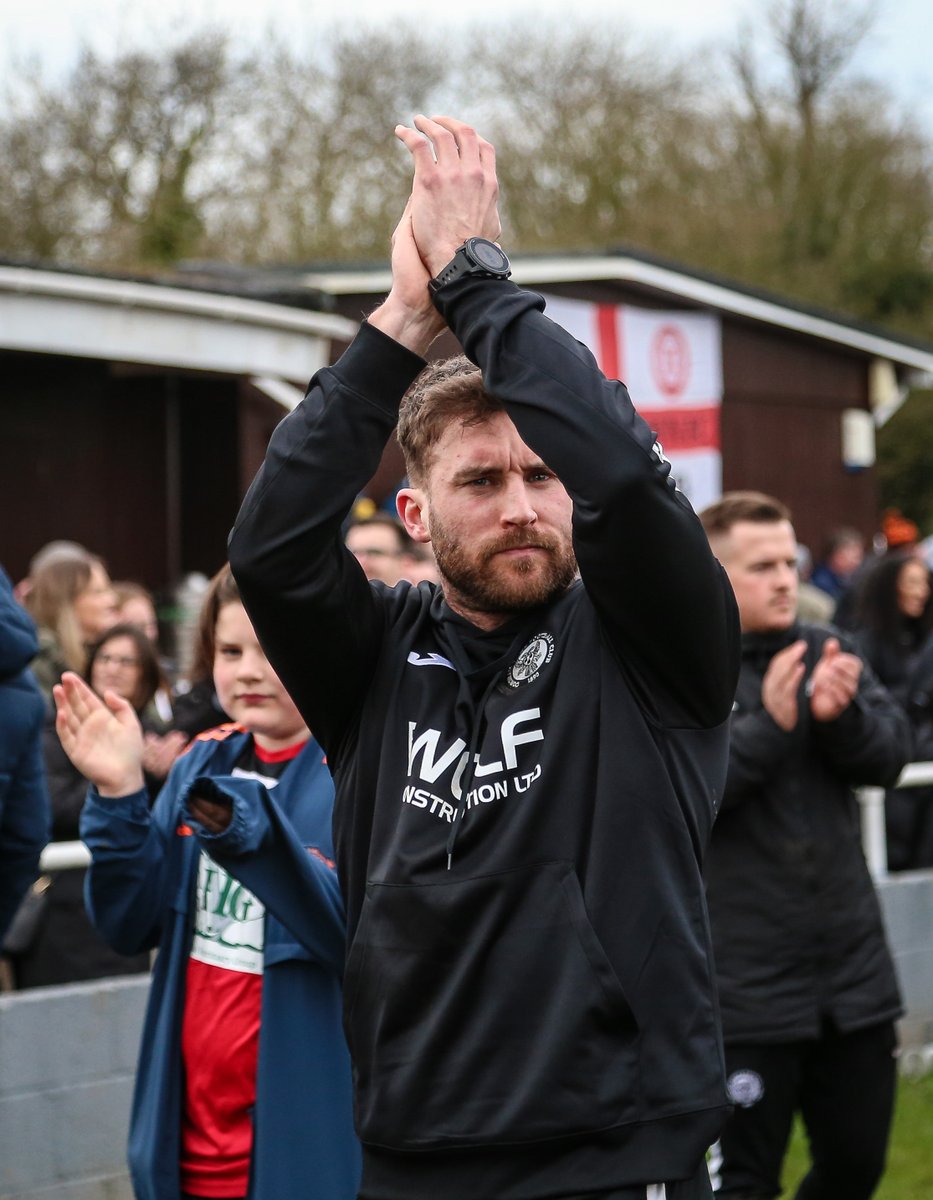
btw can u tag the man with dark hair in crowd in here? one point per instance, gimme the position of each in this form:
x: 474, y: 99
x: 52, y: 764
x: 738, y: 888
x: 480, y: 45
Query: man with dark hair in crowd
x: 807, y: 986
x: 843, y: 552
x: 527, y: 758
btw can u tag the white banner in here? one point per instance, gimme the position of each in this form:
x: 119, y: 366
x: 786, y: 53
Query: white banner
x: 671, y: 363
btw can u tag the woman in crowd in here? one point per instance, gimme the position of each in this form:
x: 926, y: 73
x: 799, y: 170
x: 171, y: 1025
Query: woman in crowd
x: 136, y: 606
x: 894, y: 626
x: 65, y: 946
x: 71, y: 600
x: 243, y: 1085
x: 196, y: 704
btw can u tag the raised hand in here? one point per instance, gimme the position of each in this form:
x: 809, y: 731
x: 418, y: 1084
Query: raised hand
x: 455, y: 189
x: 408, y: 315
x: 103, y: 738
x: 834, y: 681
x: 781, y: 683
x: 454, y: 196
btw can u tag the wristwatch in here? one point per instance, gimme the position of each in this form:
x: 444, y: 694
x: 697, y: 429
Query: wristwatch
x: 476, y: 256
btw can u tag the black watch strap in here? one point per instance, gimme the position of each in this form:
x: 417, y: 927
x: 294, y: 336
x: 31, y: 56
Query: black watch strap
x: 477, y: 257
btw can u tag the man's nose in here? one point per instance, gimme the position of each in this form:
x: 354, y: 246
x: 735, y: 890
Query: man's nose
x: 787, y: 577
x: 518, y: 508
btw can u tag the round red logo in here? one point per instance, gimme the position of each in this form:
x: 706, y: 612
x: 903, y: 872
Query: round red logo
x: 670, y: 360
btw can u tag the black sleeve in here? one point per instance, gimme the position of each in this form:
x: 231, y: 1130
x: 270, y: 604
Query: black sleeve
x: 759, y: 749
x: 664, y: 601
x: 24, y: 823
x: 318, y: 618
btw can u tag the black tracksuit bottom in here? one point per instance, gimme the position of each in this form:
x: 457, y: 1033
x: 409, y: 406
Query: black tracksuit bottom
x: 843, y: 1085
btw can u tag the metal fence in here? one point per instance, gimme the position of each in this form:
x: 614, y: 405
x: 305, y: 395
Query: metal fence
x: 59, y: 855
x: 874, y: 839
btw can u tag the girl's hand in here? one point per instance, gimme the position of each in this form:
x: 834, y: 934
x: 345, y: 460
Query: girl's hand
x: 103, y: 738
x: 215, y: 815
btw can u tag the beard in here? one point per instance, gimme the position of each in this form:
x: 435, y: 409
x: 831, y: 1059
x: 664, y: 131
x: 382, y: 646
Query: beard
x: 477, y: 580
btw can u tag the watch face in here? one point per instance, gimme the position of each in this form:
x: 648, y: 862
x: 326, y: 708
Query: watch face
x: 488, y: 255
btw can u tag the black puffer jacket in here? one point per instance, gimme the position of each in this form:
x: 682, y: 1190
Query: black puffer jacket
x: 797, y: 929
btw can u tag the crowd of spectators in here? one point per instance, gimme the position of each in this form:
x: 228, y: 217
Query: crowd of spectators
x: 108, y: 632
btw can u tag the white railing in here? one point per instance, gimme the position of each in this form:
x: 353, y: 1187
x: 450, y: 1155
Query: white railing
x: 57, y: 856
x: 874, y: 836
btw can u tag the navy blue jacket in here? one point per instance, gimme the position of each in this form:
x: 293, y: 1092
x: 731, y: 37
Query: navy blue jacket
x: 24, y: 802
x: 140, y: 892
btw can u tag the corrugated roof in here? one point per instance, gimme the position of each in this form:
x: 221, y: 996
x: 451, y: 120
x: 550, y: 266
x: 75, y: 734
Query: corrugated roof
x: 122, y: 320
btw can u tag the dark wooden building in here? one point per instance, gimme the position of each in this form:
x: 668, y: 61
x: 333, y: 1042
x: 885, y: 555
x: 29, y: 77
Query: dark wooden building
x: 793, y: 378
x: 135, y: 415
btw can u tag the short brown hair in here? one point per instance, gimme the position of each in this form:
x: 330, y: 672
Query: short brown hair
x: 129, y: 589
x: 387, y: 521
x: 718, y: 518
x: 449, y: 390
x: 221, y: 590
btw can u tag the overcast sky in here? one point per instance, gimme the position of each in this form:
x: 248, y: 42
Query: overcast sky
x: 896, y: 53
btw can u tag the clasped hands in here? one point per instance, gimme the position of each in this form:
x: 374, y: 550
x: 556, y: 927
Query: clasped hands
x: 831, y: 688
x: 454, y: 196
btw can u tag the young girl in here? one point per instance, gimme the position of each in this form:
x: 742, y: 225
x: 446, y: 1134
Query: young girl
x: 243, y: 1083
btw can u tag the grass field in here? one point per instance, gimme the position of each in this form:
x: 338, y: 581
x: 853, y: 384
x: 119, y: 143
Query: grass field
x: 910, y: 1155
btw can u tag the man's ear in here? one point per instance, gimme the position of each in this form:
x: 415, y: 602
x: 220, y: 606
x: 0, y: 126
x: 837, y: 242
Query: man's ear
x: 412, y: 505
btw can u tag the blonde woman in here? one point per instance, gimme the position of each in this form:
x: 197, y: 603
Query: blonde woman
x: 72, y: 602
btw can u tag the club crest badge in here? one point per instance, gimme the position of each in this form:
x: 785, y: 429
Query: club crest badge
x: 745, y: 1088
x: 531, y: 658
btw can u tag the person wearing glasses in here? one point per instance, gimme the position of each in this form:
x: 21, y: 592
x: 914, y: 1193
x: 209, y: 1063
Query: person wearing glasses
x: 381, y: 547
x: 65, y: 946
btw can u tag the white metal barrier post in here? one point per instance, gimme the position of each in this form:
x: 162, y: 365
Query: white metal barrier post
x: 874, y: 834
x: 59, y: 856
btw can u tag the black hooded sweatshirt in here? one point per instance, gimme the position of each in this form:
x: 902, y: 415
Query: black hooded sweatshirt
x: 521, y: 814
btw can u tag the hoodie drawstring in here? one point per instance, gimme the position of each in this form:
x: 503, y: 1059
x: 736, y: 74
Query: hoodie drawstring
x: 477, y: 712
